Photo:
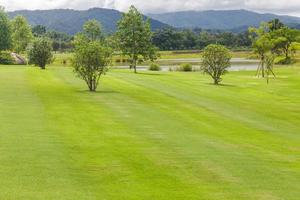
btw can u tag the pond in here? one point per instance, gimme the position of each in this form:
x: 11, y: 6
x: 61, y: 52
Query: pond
x: 237, y: 64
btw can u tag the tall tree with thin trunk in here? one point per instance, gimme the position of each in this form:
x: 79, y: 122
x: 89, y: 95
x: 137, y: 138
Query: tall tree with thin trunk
x: 135, y: 38
x: 21, y: 33
x: 262, y: 45
x: 5, y: 31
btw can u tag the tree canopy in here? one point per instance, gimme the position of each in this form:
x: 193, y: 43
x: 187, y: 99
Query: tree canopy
x: 135, y: 37
x: 5, y: 31
x: 21, y: 33
x: 216, y: 61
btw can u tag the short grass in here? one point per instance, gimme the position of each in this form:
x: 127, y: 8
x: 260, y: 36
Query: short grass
x: 146, y: 136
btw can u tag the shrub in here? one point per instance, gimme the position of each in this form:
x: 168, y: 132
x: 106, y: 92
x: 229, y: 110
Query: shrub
x: 282, y: 60
x: 6, y: 58
x: 40, y: 52
x: 186, y: 67
x: 154, y: 67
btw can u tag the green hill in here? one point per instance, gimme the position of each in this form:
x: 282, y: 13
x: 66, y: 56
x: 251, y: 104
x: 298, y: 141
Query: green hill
x: 71, y: 21
x: 222, y: 19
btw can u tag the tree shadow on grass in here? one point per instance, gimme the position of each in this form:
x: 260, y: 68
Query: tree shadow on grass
x: 149, y: 74
x: 221, y: 85
x: 98, y: 92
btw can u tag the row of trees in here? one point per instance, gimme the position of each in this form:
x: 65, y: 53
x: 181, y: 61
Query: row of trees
x: 93, y: 51
x: 173, y: 39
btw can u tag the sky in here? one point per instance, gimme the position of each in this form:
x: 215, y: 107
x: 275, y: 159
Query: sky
x: 288, y: 7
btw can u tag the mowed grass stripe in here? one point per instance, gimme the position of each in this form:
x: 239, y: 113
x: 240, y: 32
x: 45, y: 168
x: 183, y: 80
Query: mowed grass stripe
x: 33, y: 160
x: 103, y: 143
x: 151, y: 98
x: 257, y: 152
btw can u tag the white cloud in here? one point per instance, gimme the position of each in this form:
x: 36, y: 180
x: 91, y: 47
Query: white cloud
x: 275, y: 6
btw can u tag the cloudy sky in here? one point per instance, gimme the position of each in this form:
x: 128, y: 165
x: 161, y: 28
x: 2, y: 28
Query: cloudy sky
x: 291, y: 7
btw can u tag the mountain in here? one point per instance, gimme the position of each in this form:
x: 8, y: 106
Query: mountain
x: 71, y: 21
x: 220, y: 19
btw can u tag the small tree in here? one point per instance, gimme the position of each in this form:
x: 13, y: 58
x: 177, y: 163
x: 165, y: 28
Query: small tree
x: 216, y: 60
x: 40, y: 52
x: 90, y: 62
x: 21, y: 33
x: 262, y: 45
x: 92, y: 56
x: 135, y: 38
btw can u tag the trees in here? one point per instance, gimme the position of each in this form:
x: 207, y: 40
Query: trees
x: 61, y: 41
x: 216, y: 60
x: 21, y: 33
x: 90, y: 62
x: 39, y: 30
x: 283, y: 41
x: 134, y: 37
x: 40, y: 52
x: 167, y: 39
x: 92, y: 30
x: 275, y: 24
x: 92, y: 56
x: 5, y: 31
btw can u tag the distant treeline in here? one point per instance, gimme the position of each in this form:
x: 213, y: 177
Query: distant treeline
x: 174, y: 39
x: 165, y: 39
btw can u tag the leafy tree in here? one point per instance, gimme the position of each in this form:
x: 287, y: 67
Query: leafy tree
x: 134, y: 37
x: 40, y: 52
x: 61, y: 41
x: 92, y: 29
x: 90, y: 62
x: 275, y: 24
x: 262, y: 44
x: 5, y: 31
x: 167, y: 39
x: 21, y: 33
x: 39, y: 30
x: 216, y: 60
x: 283, y: 41
x: 92, y: 56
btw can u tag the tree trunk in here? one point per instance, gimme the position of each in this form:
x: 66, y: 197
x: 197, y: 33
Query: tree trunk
x: 134, y: 65
x: 216, y: 81
x: 263, y: 67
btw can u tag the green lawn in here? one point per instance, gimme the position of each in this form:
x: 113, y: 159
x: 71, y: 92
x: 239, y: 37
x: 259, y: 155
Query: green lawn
x: 148, y: 136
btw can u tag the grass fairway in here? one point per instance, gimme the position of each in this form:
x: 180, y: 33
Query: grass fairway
x: 149, y: 136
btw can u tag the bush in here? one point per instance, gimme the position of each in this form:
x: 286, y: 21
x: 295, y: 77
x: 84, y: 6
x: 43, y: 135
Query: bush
x: 186, y: 67
x: 6, y: 58
x: 40, y: 52
x: 154, y: 67
x: 282, y: 60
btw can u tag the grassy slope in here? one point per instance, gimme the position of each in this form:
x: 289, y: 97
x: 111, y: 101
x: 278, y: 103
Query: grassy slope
x: 148, y: 136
